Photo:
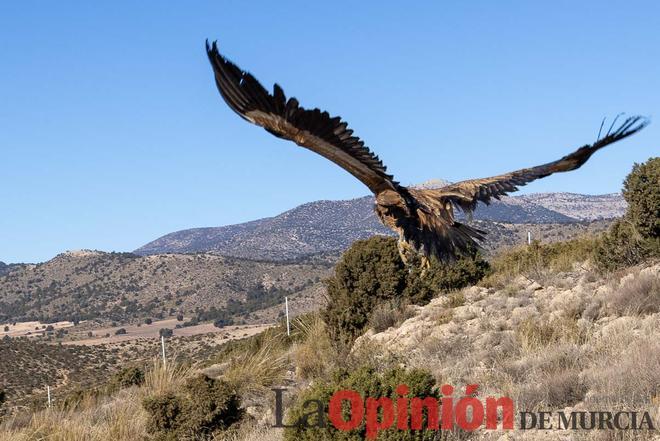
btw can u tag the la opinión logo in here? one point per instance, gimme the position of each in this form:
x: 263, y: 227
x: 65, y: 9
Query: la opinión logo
x: 403, y: 412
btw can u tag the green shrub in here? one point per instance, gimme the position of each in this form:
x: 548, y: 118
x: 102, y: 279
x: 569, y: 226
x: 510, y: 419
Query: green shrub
x: 369, y: 273
x: 424, y: 284
x: 164, y: 413
x: 368, y: 383
x: 204, y: 406
x: 372, y: 273
x: 211, y: 405
x: 130, y: 376
x: 636, y: 237
x: 165, y: 332
x: 622, y: 245
x: 641, y: 189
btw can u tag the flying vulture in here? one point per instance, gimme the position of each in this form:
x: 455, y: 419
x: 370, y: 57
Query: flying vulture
x: 423, y: 218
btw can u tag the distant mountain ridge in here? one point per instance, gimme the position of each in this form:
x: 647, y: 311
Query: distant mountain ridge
x: 580, y: 206
x: 327, y: 226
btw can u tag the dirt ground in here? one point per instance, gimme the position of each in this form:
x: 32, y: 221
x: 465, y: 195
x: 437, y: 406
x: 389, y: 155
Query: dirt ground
x: 78, y: 335
x: 31, y: 328
x: 152, y: 331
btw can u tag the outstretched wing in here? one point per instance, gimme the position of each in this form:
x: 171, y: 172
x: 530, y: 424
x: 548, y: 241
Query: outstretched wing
x: 313, y: 129
x: 467, y: 194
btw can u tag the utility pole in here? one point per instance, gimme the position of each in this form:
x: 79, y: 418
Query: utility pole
x: 286, y: 306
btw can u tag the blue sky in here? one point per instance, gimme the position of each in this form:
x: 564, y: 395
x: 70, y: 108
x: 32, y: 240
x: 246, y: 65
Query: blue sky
x: 112, y: 132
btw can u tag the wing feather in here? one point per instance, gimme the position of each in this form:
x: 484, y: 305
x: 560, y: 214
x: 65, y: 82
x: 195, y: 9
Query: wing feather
x: 313, y: 129
x: 467, y: 194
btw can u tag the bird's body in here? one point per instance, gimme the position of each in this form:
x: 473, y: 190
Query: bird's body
x: 423, y: 218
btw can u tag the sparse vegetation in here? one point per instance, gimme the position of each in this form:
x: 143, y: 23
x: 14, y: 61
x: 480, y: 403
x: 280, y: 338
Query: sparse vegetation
x: 537, y: 260
x: 125, y: 288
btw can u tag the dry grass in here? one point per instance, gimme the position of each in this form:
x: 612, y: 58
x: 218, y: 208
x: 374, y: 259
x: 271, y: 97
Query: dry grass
x: 456, y: 299
x: 388, y: 315
x: 636, y: 295
x: 120, y: 418
x: 444, y: 316
x: 161, y: 379
x: 251, y: 432
x: 539, y: 261
x: 584, y: 341
x: 252, y: 372
x: 536, y: 334
x: 313, y: 356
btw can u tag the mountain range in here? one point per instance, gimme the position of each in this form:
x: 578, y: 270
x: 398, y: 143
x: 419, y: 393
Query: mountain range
x: 243, y: 271
x: 329, y: 226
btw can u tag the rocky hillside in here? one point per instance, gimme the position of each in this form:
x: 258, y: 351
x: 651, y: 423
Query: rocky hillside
x: 333, y: 225
x: 570, y: 341
x: 580, y: 206
x: 123, y: 287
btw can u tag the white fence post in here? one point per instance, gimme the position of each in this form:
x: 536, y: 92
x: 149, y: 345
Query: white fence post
x: 529, y: 238
x: 49, y: 400
x: 162, y: 343
x: 286, y: 305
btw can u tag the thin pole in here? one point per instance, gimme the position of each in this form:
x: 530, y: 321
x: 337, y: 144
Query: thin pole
x: 162, y: 343
x: 529, y: 238
x: 48, y: 389
x: 286, y: 305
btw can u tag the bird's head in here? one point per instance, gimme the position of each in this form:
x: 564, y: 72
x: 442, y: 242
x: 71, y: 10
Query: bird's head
x: 390, y: 199
x: 391, y: 208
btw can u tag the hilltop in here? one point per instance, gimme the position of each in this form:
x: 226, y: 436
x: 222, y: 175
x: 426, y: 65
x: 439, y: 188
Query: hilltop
x: 123, y: 287
x: 330, y: 226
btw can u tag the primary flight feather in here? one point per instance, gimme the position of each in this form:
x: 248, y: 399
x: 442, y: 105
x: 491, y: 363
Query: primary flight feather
x: 423, y: 218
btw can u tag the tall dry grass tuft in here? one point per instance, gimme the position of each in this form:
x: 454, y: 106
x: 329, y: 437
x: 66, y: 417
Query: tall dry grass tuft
x: 162, y: 379
x: 537, y: 335
x: 313, y: 356
x: 120, y: 418
x: 252, y: 372
x: 637, y: 294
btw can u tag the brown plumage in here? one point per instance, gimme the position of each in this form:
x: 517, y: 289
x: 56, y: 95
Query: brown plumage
x: 424, y: 219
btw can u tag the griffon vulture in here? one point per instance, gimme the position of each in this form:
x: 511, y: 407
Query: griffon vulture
x: 423, y: 218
